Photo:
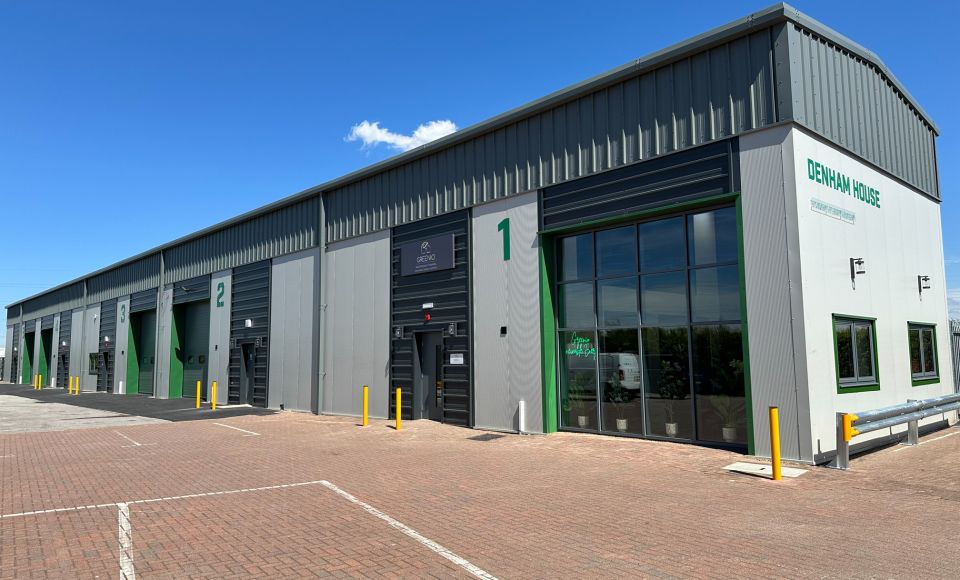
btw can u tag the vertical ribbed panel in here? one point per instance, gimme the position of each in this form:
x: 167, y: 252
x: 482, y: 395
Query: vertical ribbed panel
x: 250, y: 300
x: 711, y: 95
x: 124, y: 280
x: 771, y: 315
x: 108, y: 343
x: 852, y: 103
x: 63, y: 349
x: 283, y: 231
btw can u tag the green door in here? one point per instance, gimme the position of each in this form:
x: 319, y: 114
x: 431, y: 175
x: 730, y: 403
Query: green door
x: 146, y: 343
x: 46, y: 350
x: 26, y: 375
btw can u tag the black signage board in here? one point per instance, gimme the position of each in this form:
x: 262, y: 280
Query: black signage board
x: 427, y: 255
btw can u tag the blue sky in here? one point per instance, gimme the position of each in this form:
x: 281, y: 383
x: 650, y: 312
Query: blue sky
x: 124, y: 125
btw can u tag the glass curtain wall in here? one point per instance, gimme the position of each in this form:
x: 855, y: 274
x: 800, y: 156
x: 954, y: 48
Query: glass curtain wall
x: 649, y: 329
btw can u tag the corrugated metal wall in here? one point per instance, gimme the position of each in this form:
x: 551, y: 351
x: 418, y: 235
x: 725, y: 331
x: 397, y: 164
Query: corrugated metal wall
x: 287, y: 230
x: 955, y: 348
x: 63, y: 299
x: 108, y: 345
x: 63, y: 350
x: 849, y: 101
x: 125, y: 280
x: 250, y: 298
x: 712, y: 95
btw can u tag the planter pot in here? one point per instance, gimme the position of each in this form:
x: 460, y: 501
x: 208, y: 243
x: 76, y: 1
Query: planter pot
x: 729, y: 434
x: 621, y: 425
x: 672, y: 429
x: 583, y: 421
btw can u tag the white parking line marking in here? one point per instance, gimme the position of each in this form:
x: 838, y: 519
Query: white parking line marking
x: 250, y: 433
x: 135, y: 444
x: 125, y: 535
x: 406, y: 530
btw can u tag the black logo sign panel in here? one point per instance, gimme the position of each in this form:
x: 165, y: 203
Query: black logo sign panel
x: 427, y: 255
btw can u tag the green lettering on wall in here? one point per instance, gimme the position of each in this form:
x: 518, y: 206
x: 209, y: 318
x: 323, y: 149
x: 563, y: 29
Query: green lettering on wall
x: 819, y: 173
x: 220, y: 291
x: 504, y: 226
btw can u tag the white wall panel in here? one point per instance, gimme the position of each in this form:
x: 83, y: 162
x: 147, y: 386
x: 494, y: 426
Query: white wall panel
x: 218, y: 358
x: 358, y: 325
x: 294, y: 326
x: 91, y: 344
x: 507, y: 369
x: 123, y: 344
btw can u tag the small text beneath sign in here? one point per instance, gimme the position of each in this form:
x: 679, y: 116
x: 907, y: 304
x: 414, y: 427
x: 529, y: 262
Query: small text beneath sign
x: 833, y: 211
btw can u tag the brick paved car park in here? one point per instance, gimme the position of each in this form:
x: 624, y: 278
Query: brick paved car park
x: 294, y: 495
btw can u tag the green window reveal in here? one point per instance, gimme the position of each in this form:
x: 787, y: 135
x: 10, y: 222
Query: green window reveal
x: 924, y: 366
x: 856, y: 353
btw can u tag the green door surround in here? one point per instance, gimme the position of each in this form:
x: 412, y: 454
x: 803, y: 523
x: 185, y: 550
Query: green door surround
x: 43, y: 361
x: 548, y: 335
x: 176, y: 353
x: 133, y: 356
x: 26, y: 358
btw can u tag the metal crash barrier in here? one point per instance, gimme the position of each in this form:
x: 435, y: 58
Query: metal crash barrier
x: 849, y: 425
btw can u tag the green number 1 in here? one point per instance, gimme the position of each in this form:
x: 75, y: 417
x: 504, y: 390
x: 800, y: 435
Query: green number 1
x: 220, y: 295
x: 504, y: 226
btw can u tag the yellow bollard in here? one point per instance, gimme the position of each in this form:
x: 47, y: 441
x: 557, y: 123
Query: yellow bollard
x: 775, y: 443
x: 213, y: 396
x: 366, y: 404
x: 70, y: 390
x: 198, y: 394
x: 39, y: 381
x: 399, y: 407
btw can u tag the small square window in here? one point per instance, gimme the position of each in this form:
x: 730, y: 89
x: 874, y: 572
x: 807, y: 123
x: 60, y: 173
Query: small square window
x: 856, y: 351
x: 924, y: 366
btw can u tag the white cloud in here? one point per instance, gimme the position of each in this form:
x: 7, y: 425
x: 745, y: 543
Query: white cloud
x: 953, y: 302
x: 372, y: 134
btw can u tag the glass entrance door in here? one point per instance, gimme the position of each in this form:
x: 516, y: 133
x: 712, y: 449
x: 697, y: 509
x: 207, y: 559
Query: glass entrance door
x: 649, y: 329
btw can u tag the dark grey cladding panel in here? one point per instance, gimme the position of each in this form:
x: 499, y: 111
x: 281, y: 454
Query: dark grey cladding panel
x: 449, y: 291
x: 250, y: 300
x: 46, y: 323
x: 192, y: 290
x: 125, y: 280
x: 688, y: 175
x: 141, y: 301
x: 108, y: 344
x: 61, y: 299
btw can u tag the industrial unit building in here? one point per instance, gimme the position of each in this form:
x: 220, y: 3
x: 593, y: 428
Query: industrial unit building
x: 748, y: 218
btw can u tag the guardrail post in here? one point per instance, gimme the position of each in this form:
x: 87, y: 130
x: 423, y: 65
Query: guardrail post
x: 843, y: 446
x: 913, y: 429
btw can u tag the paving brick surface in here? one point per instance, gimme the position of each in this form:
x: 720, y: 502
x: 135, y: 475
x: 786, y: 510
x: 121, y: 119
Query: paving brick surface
x: 563, y: 505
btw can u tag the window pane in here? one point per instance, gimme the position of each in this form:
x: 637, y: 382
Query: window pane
x: 718, y: 384
x: 617, y: 251
x: 576, y: 305
x: 915, y: 366
x: 845, y: 351
x: 578, y: 379
x: 667, y: 382
x: 576, y: 257
x: 618, y: 302
x: 715, y: 294
x: 712, y: 236
x: 661, y: 245
x: 663, y: 299
x: 621, y: 408
x: 864, y: 352
x: 929, y: 356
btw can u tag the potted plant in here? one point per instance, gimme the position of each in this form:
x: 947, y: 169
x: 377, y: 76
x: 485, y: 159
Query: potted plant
x: 672, y: 387
x: 576, y: 392
x: 618, y: 396
x: 729, y: 412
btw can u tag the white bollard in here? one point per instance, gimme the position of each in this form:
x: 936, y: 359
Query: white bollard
x: 521, y: 423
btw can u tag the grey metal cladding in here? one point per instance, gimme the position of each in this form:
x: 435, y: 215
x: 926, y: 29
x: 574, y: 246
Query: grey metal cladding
x: 192, y: 290
x: 65, y: 298
x: 142, y: 301
x: 853, y: 103
x: 284, y: 231
x: 124, y: 280
x: 711, y: 95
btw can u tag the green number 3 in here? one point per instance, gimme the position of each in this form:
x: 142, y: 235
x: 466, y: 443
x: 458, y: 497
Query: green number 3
x: 504, y: 226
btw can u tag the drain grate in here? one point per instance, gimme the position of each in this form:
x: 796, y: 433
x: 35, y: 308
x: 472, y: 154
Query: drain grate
x: 486, y: 437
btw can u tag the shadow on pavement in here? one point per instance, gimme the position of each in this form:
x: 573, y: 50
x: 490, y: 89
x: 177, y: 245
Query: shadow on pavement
x: 166, y: 409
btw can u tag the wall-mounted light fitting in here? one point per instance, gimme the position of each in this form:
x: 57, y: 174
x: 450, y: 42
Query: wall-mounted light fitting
x: 106, y: 339
x: 397, y: 332
x: 452, y: 329
x: 857, y: 268
x: 248, y: 323
x: 923, y: 283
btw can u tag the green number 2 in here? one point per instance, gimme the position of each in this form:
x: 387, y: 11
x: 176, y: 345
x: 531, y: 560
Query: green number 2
x: 504, y: 226
x: 220, y: 291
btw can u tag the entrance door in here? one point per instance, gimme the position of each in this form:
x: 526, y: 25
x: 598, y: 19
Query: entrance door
x: 247, y: 360
x: 145, y: 334
x: 428, y: 376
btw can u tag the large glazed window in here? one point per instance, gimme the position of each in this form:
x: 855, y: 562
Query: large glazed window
x: 856, y: 354
x: 649, y: 327
x: 924, y: 366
